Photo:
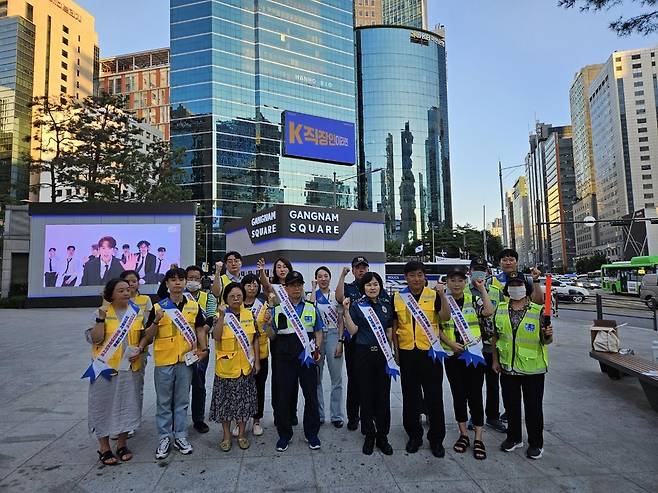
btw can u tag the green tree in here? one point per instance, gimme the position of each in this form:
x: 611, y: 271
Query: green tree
x: 161, y: 177
x: 590, y: 264
x: 644, y: 23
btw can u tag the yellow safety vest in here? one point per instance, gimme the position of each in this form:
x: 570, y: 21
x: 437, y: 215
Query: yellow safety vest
x: 202, y: 300
x: 141, y: 300
x: 471, y: 317
x: 408, y: 338
x: 263, y: 340
x: 523, y: 351
x: 169, y: 346
x: 134, y: 335
x: 230, y: 360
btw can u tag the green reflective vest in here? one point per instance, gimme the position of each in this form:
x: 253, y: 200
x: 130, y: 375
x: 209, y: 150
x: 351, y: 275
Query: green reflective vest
x: 307, y: 318
x: 470, y: 314
x: 521, y: 351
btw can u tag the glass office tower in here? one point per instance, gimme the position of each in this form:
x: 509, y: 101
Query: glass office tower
x: 403, y: 125
x: 236, y: 65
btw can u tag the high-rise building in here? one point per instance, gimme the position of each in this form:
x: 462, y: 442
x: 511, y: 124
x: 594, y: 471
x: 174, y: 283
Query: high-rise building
x: 520, y: 222
x: 561, y: 194
x: 496, y: 228
x: 144, y: 78
x: 538, y: 195
x: 403, y: 128
x: 583, y: 156
x: 367, y: 12
x: 623, y: 105
x: 235, y: 68
x: 407, y: 13
x: 16, y: 81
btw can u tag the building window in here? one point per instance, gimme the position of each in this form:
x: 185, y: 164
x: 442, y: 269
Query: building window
x: 77, y: 73
x: 638, y: 84
x: 637, y: 65
x: 618, y: 59
x: 65, y: 53
x: 642, y: 130
x: 29, y: 12
x: 648, y: 195
x: 635, y: 57
x: 618, y: 68
x: 65, y: 29
x: 647, y: 186
x: 639, y: 93
x: 58, y: 193
x: 641, y: 111
x: 645, y: 158
x: 63, y: 76
x: 649, y: 204
x: 639, y: 101
x: 642, y: 120
x: 646, y: 167
x: 637, y: 75
x: 646, y: 177
x: 65, y: 40
x: 65, y: 65
x: 644, y: 148
x: 644, y: 139
x: 62, y: 89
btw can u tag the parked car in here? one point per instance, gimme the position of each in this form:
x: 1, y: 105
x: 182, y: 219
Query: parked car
x: 566, y: 291
x: 649, y: 290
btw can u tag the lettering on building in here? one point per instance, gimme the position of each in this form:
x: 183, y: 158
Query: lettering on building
x: 67, y: 10
x: 314, y: 136
x: 314, y: 222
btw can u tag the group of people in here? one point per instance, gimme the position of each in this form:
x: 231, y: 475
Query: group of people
x: 476, y: 326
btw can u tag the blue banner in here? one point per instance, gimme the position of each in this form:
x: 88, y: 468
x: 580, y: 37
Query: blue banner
x: 322, y: 139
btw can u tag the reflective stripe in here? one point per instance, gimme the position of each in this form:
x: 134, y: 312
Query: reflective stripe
x: 292, y: 331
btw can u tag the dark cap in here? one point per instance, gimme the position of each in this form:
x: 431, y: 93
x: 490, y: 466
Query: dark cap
x: 458, y: 271
x: 478, y: 263
x: 360, y: 260
x: 294, y: 277
x: 516, y: 277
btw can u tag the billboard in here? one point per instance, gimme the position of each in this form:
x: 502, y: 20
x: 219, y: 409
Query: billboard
x: 317, y: 138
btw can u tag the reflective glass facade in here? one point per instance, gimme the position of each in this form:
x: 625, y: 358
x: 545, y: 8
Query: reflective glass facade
x: 403, y: 125
x: 236, y: 65
x: 407, y: 13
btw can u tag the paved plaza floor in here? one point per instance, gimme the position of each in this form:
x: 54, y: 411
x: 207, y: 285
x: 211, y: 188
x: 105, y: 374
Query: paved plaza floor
x: 600, y: 435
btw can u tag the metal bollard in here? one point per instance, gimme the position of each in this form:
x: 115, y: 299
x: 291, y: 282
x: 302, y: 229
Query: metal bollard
x: 599, y: 308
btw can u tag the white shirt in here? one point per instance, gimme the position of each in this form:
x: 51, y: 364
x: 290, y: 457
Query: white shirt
x: 69, y: 267
x: 103, y: 264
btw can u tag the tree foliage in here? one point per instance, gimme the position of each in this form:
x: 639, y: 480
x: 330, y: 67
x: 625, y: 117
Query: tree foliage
x: 644, y: 23
x: 590, y: 264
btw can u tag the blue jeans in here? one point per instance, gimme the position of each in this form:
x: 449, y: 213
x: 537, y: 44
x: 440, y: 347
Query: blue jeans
x: 329, y: 343
x: 172, y: 390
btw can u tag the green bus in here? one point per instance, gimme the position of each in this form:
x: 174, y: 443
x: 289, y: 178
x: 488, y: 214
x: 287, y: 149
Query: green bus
x: 626, y: 277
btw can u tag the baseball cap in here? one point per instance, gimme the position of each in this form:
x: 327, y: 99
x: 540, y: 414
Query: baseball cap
x: 516, y: 277
x: 478, y: 263
x: 360, y: 260
x: 294, y: 277
x: 458, y: 271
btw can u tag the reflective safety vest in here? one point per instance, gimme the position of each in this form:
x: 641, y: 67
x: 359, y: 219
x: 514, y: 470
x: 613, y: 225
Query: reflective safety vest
x: 263, y: 340
x: 132, y: 339
x: 141, y: 300
x: 230, y: 360
x: 202, y: 300
x: 410, y: 335
x: 307, y: 318
x: 169, y: 345
x: 498, y: 286
x: 471, y: 317
x: 521, y: 351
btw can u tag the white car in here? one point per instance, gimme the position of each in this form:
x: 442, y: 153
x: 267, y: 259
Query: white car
x: 569, y: 292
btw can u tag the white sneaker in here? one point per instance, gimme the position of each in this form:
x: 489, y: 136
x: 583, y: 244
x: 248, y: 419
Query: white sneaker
x: 183, y: 446
x: 258, y: 429
x: 163, y: 449
x: 235, y: 431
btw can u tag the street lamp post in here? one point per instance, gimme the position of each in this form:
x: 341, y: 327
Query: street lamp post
x: 502, y: 200
x: 336, y: 182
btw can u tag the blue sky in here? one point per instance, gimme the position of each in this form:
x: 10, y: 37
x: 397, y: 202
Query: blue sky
x: 510, y: 62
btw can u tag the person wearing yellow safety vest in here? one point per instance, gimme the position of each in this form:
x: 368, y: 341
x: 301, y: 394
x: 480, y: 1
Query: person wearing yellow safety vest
x: 234, y: 389
x: 115, y: 403
x: 421, y: 370
x: 208, y: 304
x: 227, y: 271
x: 466, y: 380
x: 176, y: 328
x: 521, y: 356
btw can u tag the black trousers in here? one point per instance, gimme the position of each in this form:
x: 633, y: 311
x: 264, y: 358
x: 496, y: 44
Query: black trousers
x: 199, y: 390
x: 274, y: 389
x: 353, y: 379
x: 261, y: 378
x: 375, y: 395
x: 290, y: 374
x: 50, y: 279
x: 532, y: 388
x: 492, y: 380
x: 422, y: 377
x: 466, y: 389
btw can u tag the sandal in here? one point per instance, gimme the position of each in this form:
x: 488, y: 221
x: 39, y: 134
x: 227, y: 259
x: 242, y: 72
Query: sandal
x: 107, y: 458
x: 462, y: 444
x: 243, y: 443
x: 225, y: 445
x: 124, y: 453
x: 479, y: 451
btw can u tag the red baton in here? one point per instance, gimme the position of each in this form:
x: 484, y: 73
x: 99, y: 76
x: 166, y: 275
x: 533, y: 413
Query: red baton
x: 548, y: 298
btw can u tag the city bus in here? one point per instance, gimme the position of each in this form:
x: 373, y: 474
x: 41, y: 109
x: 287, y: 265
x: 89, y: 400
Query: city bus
x: 436, y: 271
x: 626, y: 277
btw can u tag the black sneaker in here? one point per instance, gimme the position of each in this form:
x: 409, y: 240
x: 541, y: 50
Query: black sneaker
x: 201, y: 427
x: 534, y: 453
x: 503, y: 417
x: 438, y: 450
x: 497, y: 424
x: 337, y: 424
x: 413, y: 445
x: 384, y: 446
x: 352, y: 424
x: 509, y: 445
x: 369, y: 445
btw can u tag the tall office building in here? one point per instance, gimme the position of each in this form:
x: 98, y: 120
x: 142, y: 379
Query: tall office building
x: 561, y: 194
x: 367, y: 12
x: 235, y: 68
x: 144, y: 78
x: 583, y: 156
x: 623, y: 105
x: 403, y: 128
x: 407, y: 13
x: 16, y: 81
x: 538, y: 195
x: 520, y: 222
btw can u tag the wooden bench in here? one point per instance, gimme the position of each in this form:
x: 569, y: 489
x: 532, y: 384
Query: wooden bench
x: 616, y: 365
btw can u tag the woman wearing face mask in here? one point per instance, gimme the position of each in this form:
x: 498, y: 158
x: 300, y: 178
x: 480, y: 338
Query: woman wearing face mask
x: 521, y: 356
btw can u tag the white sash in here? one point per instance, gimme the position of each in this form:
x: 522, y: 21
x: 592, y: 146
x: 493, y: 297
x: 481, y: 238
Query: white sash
x: 177, y: 318
x: 234, y: 324
x: 99, y: 365
x: 436, y: 350
x: 326, y: 308
x: 375, y: 324
x: 291, y: 314
x: 256, y: 308
x: 472, y: 345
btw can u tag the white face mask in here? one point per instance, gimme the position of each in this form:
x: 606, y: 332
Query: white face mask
x: 516, y: 292
x: 193, y: 286
x: 478, y: 275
